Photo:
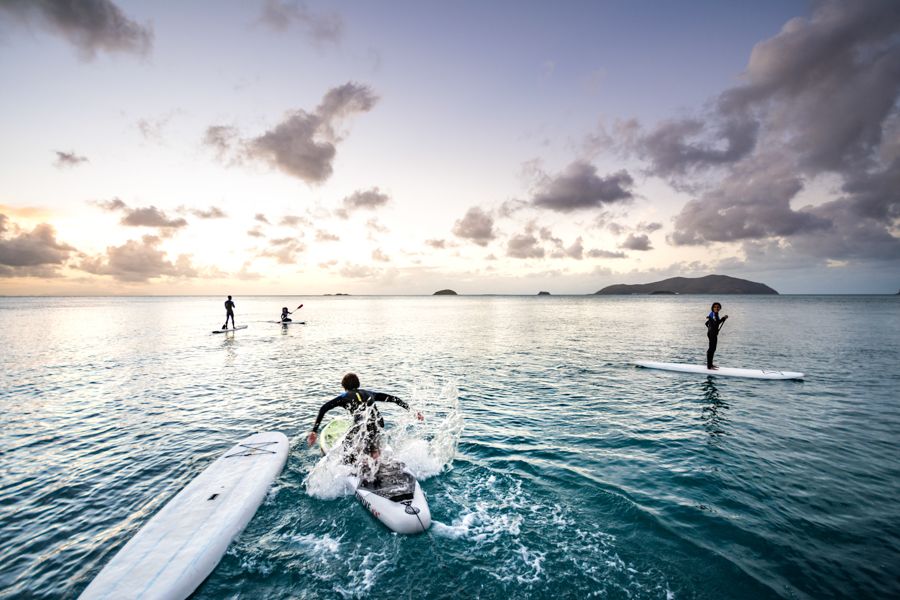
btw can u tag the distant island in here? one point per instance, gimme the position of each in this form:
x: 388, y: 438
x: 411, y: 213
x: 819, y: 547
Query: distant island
x: 445, y: 293
x: 543, y: 293
x: 337, y: 294
x: 710, y: 284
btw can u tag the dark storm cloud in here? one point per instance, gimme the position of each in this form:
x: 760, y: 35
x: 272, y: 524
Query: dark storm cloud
x: 303, y: 144
x: 68, y: 159
x: 679, y: 146
x: 477, y: 226
x: 138, y: 261
x: 280, y: 15
x: 825, y: 92
x: 637, y: 242
x: 89, y: 25
x: 30, y: 253
x: 372, y: 199
x: 579, y: 187
x: 753, y: 203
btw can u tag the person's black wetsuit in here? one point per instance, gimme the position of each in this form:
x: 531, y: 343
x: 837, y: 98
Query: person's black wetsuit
x: 361, y: 403
x: 713, y: 325
x: 229, y: 313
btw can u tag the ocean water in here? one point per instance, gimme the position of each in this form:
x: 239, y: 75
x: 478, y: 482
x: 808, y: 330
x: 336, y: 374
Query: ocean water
x: 552, y: 466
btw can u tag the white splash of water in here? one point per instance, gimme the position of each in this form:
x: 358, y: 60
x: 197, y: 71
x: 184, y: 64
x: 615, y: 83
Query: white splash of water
x: 426, y: 447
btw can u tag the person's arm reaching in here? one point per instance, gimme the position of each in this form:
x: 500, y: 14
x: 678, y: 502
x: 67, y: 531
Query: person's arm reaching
x: 333, y: 403
x: 382, y: 397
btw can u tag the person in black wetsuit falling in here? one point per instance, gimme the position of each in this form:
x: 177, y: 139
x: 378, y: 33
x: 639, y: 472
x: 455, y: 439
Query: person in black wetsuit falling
x: 229, y: 313
x: 713, y: 325
x: 361, y: 405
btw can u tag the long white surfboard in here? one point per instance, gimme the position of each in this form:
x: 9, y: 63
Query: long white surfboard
x: 721, y: 371
x: 181, y: 545
x: 229, y: 329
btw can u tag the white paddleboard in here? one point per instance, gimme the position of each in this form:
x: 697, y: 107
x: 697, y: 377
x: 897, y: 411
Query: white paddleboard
x: 289, y: 322
x: 181, y: 545
x: 721, y: 371
x: 394, y: 497
x: 229, y: 329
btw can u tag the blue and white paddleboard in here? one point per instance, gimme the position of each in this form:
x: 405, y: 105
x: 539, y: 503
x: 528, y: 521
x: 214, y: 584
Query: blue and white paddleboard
x: 229, y: 329
x: 721, y: 371
x: 171, y: 555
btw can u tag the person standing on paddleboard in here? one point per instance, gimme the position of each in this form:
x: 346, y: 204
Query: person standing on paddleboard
x: 713, y: 325
x: 361, y: 405
x: 229, y: 313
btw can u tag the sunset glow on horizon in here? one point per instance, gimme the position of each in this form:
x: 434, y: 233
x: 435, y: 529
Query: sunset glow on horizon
x: 287, y: 147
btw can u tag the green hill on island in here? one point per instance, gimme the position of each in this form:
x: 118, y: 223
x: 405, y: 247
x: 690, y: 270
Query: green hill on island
x: 444, y: 293
x: 710, y: 284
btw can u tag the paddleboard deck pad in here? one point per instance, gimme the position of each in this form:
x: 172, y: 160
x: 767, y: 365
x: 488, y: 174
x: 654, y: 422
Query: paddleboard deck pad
x: 395, y: 498
x: 333, y: 433
x: 721, y: 371
x: 171, y: 555
x: 230, y: 329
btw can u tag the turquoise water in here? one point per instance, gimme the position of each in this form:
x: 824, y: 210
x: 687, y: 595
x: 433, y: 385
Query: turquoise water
x: 575, y: 474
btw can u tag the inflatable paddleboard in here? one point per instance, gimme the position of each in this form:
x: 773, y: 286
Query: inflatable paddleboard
x: 721, y: 371
x: 181, y: 545
x: 229, y: 329
x: 393, y: 495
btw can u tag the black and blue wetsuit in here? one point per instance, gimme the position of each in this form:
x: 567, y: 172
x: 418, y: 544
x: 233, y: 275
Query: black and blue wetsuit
x: 229, y: 313
x: 713, y: 325
x: 361, y: 404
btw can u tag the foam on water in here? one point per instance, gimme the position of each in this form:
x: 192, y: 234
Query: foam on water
x: 426, y: 447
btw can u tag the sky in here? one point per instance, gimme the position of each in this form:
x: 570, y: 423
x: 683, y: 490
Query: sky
x: 287, y: 147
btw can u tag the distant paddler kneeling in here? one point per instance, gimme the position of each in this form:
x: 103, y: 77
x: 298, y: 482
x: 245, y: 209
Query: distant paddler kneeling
x: 285, y: 312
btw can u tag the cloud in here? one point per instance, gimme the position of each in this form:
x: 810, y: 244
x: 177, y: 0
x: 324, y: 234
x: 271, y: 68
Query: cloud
x: 354, y: 271
x: 280, y: 15
x: 90, y: 26
x: 375, y: 227
x: 637, y: 242
x: 138, y: 261
x: 213, y: 212
x: 294, y: 221
x: 324, y: 236
x: 437, y: 244
x: 152, y: 128
x: 579, y: 187
x: 68, y: 159
x: 148, y: 216
x: 284, y: 250
x: 303, y: 144
x: 754, y: 202
x: 34, y: 253
x: 379, y: 255
x: 595, y: 253
x: 261, y: 218
x: 255, y: 232
x: 820, y: 99
x: 524, y: 245
x: 476, y: 226
x: 371, y: 199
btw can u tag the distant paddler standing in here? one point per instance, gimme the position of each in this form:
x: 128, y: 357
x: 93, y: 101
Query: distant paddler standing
x: 713, y: 325
x: 229, y: 313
